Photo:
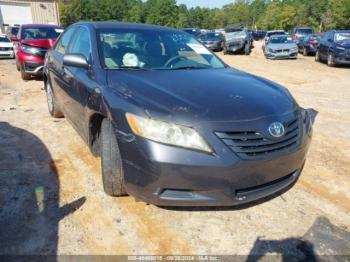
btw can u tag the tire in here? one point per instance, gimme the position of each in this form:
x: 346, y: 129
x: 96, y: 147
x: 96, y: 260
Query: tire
x: 330, y: 60
x: 24, y: 75
x: 305, y: 52
x: 111, y: 162
x: 317, y: 56
x: 247, y: 49
x: 52, y: 106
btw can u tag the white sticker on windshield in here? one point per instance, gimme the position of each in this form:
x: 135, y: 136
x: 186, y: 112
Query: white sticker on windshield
x: 58, y: 30
x: 199, y: 49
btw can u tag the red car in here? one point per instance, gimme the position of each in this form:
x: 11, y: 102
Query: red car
x: 32, y: 42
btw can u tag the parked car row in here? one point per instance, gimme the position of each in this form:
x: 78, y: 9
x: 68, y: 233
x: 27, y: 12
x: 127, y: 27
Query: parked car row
x: 332, y: 47
x: 6, y: 47
x: 157, y: 107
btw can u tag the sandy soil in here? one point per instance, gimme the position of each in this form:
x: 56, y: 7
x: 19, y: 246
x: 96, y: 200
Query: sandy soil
x: 52, y: 202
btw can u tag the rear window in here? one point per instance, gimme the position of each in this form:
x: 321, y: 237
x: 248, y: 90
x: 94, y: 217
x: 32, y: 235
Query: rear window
x: 275, y: 33
x: 304, y: 31
x: 40, y: 33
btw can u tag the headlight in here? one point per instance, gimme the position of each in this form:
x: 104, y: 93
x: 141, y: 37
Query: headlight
x: 294, y: 49
x: 30, y: 49
x: 167, y: 133
x: 340, y: 48
x: 271, y: 50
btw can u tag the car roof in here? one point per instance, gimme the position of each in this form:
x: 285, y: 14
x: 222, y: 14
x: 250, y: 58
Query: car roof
x: 273, y: 31
x: 125, y: 25
x: 40, y: 26
x: 284, y: 35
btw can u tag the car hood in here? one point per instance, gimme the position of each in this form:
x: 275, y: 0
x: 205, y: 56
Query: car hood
x: 204, y: 95
x: 282, y: 46
x: 5, y: 44
x: 44, y: 43
x: 344, y: 44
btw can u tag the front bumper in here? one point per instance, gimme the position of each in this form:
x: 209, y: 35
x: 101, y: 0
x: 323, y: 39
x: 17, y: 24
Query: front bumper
x: 290, y: 55
x: 234, y: 46
x: 7, y: 54
x: 31, y: 64
x: 170, y: 176
x: 33, y: 68
x: 342, y: 58
x: 214, y: 46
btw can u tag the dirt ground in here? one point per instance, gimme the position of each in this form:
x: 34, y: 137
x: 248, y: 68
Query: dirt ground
x: 52, y: 201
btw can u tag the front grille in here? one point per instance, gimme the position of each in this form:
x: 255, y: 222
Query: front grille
x: 5, y: 48
x: 252, y: 144
x: 282, y: 50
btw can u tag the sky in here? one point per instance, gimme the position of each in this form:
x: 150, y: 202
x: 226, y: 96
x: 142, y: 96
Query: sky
x: 204, y: 3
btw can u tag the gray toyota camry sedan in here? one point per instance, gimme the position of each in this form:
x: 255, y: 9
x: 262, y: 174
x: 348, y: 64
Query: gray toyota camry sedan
x: 173, y: 124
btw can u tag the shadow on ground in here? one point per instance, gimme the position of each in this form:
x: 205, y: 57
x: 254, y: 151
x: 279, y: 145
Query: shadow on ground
x: 29, y: 195
x: 322, y: 242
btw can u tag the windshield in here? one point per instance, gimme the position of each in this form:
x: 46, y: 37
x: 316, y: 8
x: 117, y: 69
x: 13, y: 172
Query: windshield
x: 4, y: 39
x: 14, y: 30
x: 210, y: 37
x: 153, y: 50
x: 41, y: 33
x: 340, y: 37
x: 280, y: 40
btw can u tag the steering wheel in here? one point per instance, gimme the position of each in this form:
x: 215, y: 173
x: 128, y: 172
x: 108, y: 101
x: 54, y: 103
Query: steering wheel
x: 173, y: 59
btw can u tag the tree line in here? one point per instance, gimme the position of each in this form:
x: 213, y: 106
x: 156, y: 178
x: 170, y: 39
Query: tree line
x: 322, y: 15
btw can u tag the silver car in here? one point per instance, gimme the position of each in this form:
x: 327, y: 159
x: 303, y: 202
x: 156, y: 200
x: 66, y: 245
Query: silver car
x: 281, y: 47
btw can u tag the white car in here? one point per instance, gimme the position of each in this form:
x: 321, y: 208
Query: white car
x: 6, y: 47
x: 271, y: 33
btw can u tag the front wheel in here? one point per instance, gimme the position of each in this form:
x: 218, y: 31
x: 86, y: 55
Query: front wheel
x: 111, y: 161
x: 247, y: 49
x: 24, y: 75
x: 317, y: 56
x: 330, y: 60
x: 305, y: 52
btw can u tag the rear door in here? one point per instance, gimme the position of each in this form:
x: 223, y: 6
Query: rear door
x: 58, y: 78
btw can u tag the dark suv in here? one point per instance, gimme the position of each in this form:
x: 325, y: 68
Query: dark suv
x: 299, y: 33
x: 173, y: 124
x: 334, y: 48
x: 237, y: 39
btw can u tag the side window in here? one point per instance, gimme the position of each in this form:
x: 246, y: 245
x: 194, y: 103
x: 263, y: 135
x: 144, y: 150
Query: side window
x: 81, y: 44
x: 62, y: 45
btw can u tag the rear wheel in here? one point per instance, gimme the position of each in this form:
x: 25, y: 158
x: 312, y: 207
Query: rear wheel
x: 111, y: 161
x: 330, y: 60
x: 305, y: 52
x: 24, y: 75
x: 51, y: 102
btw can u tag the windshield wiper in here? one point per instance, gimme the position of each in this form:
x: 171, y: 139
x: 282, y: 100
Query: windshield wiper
x: 130, y: 68
x: 189, y: 67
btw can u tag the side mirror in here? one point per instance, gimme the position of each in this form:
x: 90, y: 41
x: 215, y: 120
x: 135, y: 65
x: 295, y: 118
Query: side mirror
x: 76, y: 60
x: 13, y: 38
